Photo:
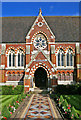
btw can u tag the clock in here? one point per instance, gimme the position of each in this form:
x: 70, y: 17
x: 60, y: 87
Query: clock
x: 40, y: 41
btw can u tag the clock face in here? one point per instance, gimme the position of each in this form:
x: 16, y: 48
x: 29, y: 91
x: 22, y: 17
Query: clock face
x: 40, y: 41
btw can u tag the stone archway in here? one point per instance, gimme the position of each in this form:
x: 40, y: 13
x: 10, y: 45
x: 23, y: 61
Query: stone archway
x: 40, y: 78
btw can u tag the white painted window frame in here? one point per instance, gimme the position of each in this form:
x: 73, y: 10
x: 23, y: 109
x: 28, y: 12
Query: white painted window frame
x: 10, y: 52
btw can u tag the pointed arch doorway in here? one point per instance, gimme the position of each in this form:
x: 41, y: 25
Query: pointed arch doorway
x: 40, y: 78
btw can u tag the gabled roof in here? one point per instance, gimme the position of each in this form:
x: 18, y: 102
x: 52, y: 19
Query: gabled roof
x: 39, y: 50
x: 65, y: 29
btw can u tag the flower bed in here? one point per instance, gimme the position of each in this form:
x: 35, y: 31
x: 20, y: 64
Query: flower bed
x: 66, y: 109
x: 7, y: 111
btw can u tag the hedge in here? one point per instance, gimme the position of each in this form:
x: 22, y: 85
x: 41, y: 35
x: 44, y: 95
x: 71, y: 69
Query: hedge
x: 11, y: 90
x: 68, y: 89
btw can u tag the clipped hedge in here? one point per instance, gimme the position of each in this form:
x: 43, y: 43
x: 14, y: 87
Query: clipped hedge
x: 68, y: 89
x: 11, y: 90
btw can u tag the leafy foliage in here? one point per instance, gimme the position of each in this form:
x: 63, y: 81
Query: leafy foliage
x: 5, y: 112
x: 10, y: 90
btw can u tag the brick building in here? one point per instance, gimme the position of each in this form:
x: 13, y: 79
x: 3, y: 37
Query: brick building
x: 40, y: 51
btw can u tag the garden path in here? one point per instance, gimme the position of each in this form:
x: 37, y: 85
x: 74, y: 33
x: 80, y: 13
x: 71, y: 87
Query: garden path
x: 40, y: 107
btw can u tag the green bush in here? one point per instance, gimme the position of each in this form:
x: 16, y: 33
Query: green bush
x: 16, y: 105
x: 18, y: 89
x: 12, y: 103
x: 5, y: 112
x: 7, y: 90
x: 10, y: 90
x: 68, y: 89
x: 61, y: 100
x: 23, y: 95
x: 73, y: 114
x: 65, y: 105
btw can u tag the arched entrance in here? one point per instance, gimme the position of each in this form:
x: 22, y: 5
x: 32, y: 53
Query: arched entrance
x: 40, y: 78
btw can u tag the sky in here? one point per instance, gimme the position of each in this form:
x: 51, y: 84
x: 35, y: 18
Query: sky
x: 48, y: 8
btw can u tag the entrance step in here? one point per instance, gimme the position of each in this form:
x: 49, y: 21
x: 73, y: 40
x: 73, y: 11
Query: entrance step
x: 39, y: 90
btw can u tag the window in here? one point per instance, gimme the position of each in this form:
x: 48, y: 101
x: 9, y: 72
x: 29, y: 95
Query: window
x: 11, y: 58
x: 70, y: 57
x: 67, y: 59
x: 58, y: 59
x: 20, y: 58
x: 61, y: 58
x: 40, y: 41
x: 71, y: 61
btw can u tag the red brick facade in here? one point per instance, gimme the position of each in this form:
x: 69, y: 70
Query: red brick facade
x: 62, y: 72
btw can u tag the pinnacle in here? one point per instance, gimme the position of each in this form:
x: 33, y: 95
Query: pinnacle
x: 40, y: 11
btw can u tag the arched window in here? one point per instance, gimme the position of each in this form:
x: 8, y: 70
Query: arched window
x: 20, y: 58
x: 61, y: 57
x: 70, y: 57
x: 58, y: 59
x: 67, y: 59
x: 11, y: 58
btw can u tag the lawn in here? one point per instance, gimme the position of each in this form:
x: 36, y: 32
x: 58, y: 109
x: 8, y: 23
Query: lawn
x: 74, y: 100
x: 6, y: 99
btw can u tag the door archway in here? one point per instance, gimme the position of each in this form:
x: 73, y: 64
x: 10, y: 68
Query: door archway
x: 40, y: 77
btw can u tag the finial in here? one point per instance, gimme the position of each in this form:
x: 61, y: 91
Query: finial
x: 40, y: 11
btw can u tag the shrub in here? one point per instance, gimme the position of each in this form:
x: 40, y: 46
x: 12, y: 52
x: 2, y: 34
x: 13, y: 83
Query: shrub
x: 10, y: 90
x: 61, y: 100
x: 65, y: 105
x: 12, y: 103
x: 16, y: 104
x: 68, y: 89
x: 18, y: 89
x: 5, y: 112
x: 7, y: 90
x: 73, y: 114
x: 23, y: 95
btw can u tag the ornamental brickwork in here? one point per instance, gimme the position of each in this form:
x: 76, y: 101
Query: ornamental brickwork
x: 20, y: 61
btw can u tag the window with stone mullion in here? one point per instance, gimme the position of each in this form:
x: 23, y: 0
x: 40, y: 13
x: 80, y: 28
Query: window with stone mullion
x: 18, y: 59
x: 10, y: 60
x: 71, y: 60
x: 58, y: 59
x: 22, y: 59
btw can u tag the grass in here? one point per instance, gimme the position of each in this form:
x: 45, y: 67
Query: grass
x: 74, y: 100
x: 6, y: 99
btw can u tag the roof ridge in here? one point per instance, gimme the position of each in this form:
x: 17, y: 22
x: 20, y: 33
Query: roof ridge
x: 34, y: 16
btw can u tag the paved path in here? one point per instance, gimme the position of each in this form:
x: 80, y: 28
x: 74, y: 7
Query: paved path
x: 39, y: 108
